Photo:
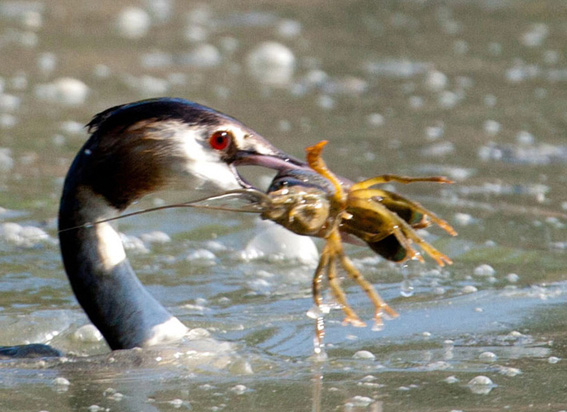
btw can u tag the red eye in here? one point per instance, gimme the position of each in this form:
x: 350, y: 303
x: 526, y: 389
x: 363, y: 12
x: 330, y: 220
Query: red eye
x: 220, y: 140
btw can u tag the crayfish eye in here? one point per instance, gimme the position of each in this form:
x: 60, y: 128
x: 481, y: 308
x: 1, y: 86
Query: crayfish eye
x: 220, y: 140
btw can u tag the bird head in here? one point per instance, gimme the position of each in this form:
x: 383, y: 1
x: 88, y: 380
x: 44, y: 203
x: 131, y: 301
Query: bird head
x: 138, y: 148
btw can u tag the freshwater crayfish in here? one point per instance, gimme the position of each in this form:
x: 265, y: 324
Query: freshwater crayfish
x: 317, y: 203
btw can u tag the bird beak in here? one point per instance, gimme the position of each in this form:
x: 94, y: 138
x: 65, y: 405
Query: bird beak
x: 257, y: 151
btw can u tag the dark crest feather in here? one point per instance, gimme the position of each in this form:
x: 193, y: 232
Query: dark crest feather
x: 164, y: 108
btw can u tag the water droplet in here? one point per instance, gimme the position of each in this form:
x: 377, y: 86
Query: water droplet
x: 406, y: 288
x: 315, y: 312
x: 319, y: 349
x: 377, y: 327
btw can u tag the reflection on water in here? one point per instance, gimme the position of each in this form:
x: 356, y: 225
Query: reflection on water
x: 471, y: 90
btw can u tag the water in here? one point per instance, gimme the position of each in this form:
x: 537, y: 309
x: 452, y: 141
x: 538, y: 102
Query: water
x: 471, y: 90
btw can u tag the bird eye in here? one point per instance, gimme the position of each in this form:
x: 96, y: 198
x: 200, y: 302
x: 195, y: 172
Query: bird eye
x: 220, y: 140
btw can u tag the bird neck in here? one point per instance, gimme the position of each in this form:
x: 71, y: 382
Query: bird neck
x: 103, y: 279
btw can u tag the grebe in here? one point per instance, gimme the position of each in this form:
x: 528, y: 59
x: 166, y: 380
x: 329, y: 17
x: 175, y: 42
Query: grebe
x: 133, y: 150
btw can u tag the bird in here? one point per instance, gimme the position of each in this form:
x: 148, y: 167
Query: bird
x: 135, y: 149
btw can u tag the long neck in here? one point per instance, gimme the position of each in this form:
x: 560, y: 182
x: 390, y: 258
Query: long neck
x: 103, y: 280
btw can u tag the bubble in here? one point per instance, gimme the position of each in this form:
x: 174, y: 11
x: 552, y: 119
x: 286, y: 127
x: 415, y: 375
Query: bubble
x: 439, y: 149
x: 448, y: 99
x: 448, y: 344
x: 47, y: 62
x: 271, y: 63
x: 495, y: 48
x: 156, y: 59
x: 436, y: 80
x: 204, y: 56
x: 484, y: 270
x: 66, y: 91
x: 364, y: 354
x: 535, y: 36
x: 71, y: 127
x: 463, y: 219
x: 155, y: 237
x: 490, y: 100
x: 32, y: 20
x: 88, y: 334
x: 101, y: 71
x: 133, y: 243
x: 162, y: 10
x: 26, y: 236
x: 278, y: 243
x: 176, y: 403
x: 491, y: 127
x: 375, y: 119
x: 288, y: 28
x: 416, y: 102
x: 239, y: 389
x: 551, y: 57
x: 508, y: 371
x: 61, y: 381
x: 481, y: 385
x: 469, y: 289
x: 147, y: 85
x: 488, y: 357
x: 358, y: 401
x: 512, y: 277
x: 434, y: 132
x: 133, y: 23
x: 460, y: 47
x: 229, y: 44
x: 525, y: 138
x: 451, y: 379
x: 200, y: 255
x: 6, y: 160
x: 326, y: 102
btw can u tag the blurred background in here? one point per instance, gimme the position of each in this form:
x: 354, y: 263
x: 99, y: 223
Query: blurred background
x: 473, y: 90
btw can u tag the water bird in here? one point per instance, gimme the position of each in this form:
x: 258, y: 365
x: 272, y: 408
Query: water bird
x: 133, y: 150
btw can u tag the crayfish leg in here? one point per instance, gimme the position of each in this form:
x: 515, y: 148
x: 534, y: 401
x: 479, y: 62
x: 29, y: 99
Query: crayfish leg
x: 371, y: 194
x: 403, y: 232
x: 436, y: 255
x: 351, y: 316
x: 379, y: 180
x: 317, y: 163
x: 380, y: 305
x: 318, y: 277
